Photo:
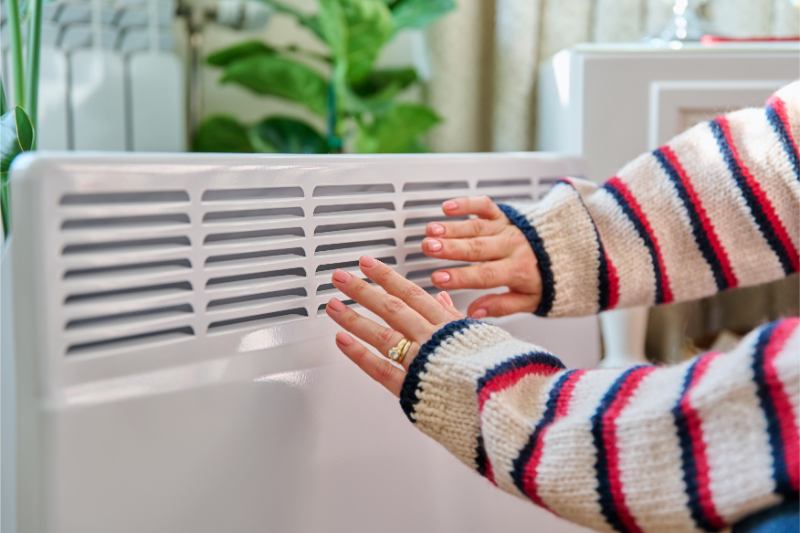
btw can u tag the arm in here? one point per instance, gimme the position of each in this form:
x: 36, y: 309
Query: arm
x: 697, y: 445
x: 715, y: 208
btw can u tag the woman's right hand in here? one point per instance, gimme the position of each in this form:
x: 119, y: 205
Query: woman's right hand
x: 503, y: 255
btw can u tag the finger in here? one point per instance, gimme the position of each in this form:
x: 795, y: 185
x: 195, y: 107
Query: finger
x: 474, y: 227
x: 387, y: 306
x: 379, y: 369
x: 444, y: 298
x: 482, y: 206
x: 481, y: 276
x: 502, y: 304
x: 381, y: 337
x: 474, y: 249
x: 408, y: 291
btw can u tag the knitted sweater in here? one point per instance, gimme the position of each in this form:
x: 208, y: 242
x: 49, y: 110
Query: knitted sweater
x: 697, y: 445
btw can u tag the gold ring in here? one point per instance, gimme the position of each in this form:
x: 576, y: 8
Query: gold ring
x: 398, y: 352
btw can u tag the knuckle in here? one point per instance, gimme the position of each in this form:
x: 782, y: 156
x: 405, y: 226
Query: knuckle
x: 476, y: 247
x: 393, y: 304
x: 386, y: 336
x: 487, y: 274
x: 476, y: 225
x: 383, y: 372
x: 412, y: 292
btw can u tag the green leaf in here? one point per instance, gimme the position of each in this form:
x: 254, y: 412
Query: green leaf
x: 369, y: 28
x: 333, y: 27
x: 16, y: 136
x: 385, y: 83
x: 221, y: 133
x: 3, y: 103
x: 226, y: 56
x: 281, y: 77
x: 398, y: 130
x: 286, y: 135
x: 310, y: 22
x: 419, y: 13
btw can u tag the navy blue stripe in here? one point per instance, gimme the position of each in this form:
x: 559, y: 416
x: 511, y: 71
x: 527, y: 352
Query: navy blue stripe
x: 408, y: 392
x: 640, y: 229
x: 780, y: 128
x: 687, y: 455
x: 749, y: 196
x: 519, y: 361
x: 604, y: 496
x: 699, y: 232
x: 780, y: 472
x: 603, y: 283
x: 542, y: 257
x: 481, y: 459
x: 547, y: 417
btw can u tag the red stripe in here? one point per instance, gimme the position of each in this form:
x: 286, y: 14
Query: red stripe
x: 695, y: 426
x: 618, y: 184
x: 562, y: 408
x: 780, y: 109
x: 708, y: 227
x: 510, y: 378
x: 612, y: 451
x: 781, y: 400
x: 613, y: 283
x: 761, y: 197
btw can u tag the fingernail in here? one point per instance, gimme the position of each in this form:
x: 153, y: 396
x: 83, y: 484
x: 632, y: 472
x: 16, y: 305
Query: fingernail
x: 335, y: 305
x: 341, y: 276
x: 344, y: 339
x: 368, y: 262
x: 445, y: 296
x: 441, y: 277
x: 435, y: 229
x: 433, y: 245
x: 480, y: 313
x: 449, y: 205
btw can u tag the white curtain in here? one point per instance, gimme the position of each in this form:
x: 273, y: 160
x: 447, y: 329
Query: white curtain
x: 485, y: 55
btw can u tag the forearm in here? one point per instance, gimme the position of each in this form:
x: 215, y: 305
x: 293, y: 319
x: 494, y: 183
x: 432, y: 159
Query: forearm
x: 716, y: 208
x: 696, y: 445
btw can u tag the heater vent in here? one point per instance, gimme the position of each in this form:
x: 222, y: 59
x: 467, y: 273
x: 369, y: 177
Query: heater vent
x: 158, y: 250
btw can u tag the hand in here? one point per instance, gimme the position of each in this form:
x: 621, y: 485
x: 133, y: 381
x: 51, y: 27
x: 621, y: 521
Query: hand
x: 410, y: 312
x: 504, y: 255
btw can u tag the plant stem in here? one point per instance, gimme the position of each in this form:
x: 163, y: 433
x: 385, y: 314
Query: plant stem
x: 334, y: 141
x: 17, y: 73
x: 34, y: 45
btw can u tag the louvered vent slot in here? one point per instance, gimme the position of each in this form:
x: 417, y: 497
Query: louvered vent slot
x: 260, y: 236
x: 256, y: 258
x: 434, y: 186
x: 426, y: 203
x: 249, y: 216
x: 261, y: 320
x: 354, y: 227
x: 353, y: 209
x: 353, y: 190
x: 126, y: 269
x: 352, y: 248
x: 252, y: 194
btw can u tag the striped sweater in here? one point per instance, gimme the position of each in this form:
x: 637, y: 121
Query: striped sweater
x: 695, y: 446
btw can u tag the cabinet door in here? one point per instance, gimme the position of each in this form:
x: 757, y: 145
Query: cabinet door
x: 678, y: 105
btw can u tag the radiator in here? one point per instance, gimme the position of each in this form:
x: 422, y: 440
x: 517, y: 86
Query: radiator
x: 167, y: 364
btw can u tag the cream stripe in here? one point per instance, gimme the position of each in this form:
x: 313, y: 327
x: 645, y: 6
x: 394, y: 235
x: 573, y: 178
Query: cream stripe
x: 650, y: 454
x: 765, y: 157
x: 688, y: 272
x: 509, y: 418
x: 750, y: 256
x: 735, y: 431
x: 625, y: 248
x: 567, y: 477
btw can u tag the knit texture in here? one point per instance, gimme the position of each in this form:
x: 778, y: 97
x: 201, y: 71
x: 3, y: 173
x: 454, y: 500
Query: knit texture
x: 696, y: 446
x: 714, y: 209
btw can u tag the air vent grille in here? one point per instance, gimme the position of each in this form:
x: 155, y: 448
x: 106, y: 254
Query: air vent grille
x: 249, y: 246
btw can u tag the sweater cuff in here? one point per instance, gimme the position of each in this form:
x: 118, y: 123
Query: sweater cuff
x: 441, y: 393
x: 568, y: 251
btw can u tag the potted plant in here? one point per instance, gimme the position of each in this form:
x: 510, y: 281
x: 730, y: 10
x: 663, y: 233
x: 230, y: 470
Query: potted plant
x: 357, y: 101
x: 18, y: 123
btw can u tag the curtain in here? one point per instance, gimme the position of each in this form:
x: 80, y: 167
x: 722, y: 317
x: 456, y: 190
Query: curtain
x: 485, y: 55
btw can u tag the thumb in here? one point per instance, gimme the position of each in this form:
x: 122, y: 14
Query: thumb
x: 502, y: 304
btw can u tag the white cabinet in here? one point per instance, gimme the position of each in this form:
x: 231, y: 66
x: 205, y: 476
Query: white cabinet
x: 610, y: 103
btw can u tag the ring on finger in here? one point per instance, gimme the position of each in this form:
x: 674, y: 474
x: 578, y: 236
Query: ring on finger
x: 398, y: 352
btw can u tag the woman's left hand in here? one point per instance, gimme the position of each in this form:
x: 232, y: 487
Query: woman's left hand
x: 410, y: 312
